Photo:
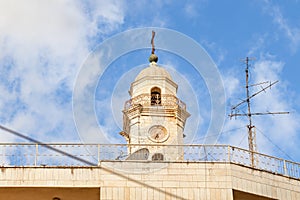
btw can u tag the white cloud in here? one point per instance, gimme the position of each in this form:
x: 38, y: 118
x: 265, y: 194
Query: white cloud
x: 42, y: 45
x: 105, y: 17
x: 35, y: 24
x: 291, y: 32
x: 190, y: 10
x: 276, y: 100
x: 216, y: 51
x: 259, y: 43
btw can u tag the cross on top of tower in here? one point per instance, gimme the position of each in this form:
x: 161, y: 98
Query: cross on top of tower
x: 153, y: 57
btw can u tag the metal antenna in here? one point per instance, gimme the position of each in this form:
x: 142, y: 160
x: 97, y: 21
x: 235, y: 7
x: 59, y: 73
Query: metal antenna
x: 152, y: 42
x: 249, y: 114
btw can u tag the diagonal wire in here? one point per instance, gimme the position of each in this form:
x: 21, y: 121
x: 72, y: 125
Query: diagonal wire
x: 275, y: 144
x: 242, y: 139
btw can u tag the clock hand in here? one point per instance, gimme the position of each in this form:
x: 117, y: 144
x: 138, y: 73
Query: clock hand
x: 156, y: 136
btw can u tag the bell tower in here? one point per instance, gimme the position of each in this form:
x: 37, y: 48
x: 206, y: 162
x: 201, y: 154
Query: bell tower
x: 154, y: 115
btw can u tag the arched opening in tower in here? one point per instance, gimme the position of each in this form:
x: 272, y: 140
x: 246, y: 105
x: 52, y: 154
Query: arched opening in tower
x: 155, y: 96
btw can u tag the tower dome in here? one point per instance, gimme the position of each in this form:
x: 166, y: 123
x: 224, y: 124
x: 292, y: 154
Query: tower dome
x: 151, y: 77
x: 153, y: 71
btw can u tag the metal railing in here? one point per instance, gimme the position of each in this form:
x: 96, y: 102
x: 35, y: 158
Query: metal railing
x: 167, y: 100
x: 30, y: 154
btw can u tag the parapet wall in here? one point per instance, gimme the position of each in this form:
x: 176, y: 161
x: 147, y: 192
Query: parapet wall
x: 154, y: 180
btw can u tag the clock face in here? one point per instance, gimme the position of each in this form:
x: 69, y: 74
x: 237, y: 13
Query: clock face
x: 158, y: 133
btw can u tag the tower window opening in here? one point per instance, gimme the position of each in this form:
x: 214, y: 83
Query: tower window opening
x: 155, y: 96
x: 157, y: 157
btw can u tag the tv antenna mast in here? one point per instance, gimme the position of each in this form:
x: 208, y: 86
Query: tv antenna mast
x: 249, y: 114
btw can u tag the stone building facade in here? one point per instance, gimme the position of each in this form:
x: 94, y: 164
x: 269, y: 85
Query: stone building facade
x: 178, y: 180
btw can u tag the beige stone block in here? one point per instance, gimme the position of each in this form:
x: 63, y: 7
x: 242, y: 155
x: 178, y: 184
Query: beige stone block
x: 132, y: 193
x: 224, y: 184
x: 144, y: 193
x: 208, y: 194
x: 150, y: 193
x: 130, y: 183
x: 202, y: 184
x: 126, y: 193
x: 297, y: 195
x: 156, y: 193
x: 122, y: 193
x: 115, y: 193
x: 162, y: 194
x: 216, y: 178
x: 289, y: 195
x: 229, y: 193
x: 188, y: 184
x: 112, y: 183
x: 249, y: 186
x: 189, y: 193
x: 223, y: 194
x: 202, y: 192
x: 238, y: 183
x: 253, y: 187
x: 173, y: 194
x: 264, y: 189
x: 212, y: 184
x: 296, y: 188
x: 103, y: 193
x: 274, y: 192
x: 170, y: 184
x: 196, y: 193
x: 156, y: 177
x: 186, y: 177
x: 111, y: 177
x: 167, y: 192
x: 153, y: 184
x: 294, y: 195
x: 218, y: 194
x: 25, y: 175
x: 135, y: 176
x: 268, y: 190
x: 178, y: 177
x: 198, y: 178
x: 281, y: 194
x: 180, y: 194
x: 175, y: 171
x: 219, y: 172
x: 259, y: 188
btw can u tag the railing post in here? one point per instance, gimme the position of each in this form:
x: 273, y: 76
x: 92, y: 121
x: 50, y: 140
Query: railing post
x: 98, y: 150
x: 3, y: 155
x: 285, y: 168
x: 228, y: 151
x: 36, y: 154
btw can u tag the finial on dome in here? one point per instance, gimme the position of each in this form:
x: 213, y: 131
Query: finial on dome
x: 153, y: 57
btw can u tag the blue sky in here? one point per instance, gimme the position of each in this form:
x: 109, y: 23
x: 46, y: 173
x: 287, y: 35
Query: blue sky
x: 43, y: 46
